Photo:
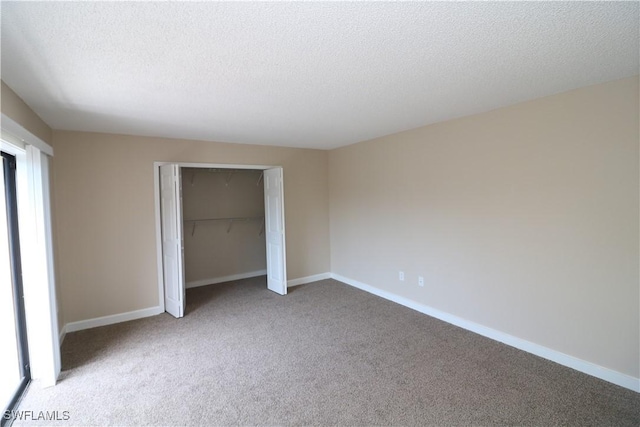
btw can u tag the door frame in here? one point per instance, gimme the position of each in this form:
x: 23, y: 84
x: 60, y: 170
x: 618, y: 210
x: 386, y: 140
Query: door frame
x: 156, y: 193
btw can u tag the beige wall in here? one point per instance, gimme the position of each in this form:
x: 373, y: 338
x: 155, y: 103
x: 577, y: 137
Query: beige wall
x: 14, y: 107
x: 212, y: 251
x: 104, y: 209
x: 523, y: 219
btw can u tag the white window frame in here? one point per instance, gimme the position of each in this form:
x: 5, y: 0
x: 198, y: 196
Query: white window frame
x: 36, y: 248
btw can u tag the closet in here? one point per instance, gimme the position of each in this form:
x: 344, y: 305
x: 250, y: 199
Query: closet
x: 223, y: 225
x: 216, y: 223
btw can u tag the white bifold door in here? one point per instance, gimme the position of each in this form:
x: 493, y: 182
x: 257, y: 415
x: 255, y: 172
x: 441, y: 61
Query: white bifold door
x: 274, y: 231
x: 172, y: 242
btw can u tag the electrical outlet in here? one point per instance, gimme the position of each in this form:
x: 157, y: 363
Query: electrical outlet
x: 401, y: 276
x: 420, y: 281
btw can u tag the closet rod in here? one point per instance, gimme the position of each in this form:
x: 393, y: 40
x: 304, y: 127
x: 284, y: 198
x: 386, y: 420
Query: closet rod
x: 224, y: 170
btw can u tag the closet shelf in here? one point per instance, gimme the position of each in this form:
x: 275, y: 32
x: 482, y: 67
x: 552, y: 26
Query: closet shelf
x: 236, y: 218
x: 229, y: 171
x: 231, y: 221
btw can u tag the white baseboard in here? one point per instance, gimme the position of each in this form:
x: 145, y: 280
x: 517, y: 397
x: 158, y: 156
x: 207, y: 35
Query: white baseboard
x: 214, y: 280
x: 588, y: 368
x: 308, y: 279
x: 110, y: 320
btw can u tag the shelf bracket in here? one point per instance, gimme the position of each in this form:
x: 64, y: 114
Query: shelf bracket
x: 260, y: 179
x: 193, y: 228
x: 261, y: 229
x: 193, y: 176
x: 230, y: 225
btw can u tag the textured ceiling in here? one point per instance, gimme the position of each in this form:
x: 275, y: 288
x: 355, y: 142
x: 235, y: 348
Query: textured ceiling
x: 318, y: 75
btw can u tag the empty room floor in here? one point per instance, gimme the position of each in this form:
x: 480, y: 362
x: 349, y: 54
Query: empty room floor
x: 325, y: 354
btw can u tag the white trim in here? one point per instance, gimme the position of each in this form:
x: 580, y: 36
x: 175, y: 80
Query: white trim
x: 308, y: 279
x: 37, y: 273
x: 15, y: 130
x: 584, y: 366
x: 216, y: 280
x: 11, y: 140
x: 112, y: 319
x: 214, y: 165
x: 48, y: 241
x: 15, y: 148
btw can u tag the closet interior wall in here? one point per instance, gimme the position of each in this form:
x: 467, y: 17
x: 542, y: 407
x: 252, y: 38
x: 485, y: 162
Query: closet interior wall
x: 223, y: 213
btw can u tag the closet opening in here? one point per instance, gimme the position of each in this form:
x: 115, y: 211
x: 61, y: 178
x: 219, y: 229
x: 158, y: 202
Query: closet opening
x: 217, y: 223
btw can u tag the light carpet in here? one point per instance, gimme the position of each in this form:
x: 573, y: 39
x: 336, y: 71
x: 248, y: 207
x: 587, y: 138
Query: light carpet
x: 325, y: 354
